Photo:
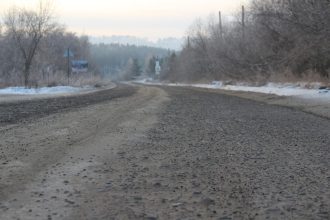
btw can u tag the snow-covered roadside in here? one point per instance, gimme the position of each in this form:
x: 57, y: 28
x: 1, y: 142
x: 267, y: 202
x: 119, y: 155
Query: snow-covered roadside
x: 293, y: 90
x: 42, y: 91
x: 17, y: 94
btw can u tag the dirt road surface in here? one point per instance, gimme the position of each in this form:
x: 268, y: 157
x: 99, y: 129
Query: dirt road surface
x: 162, y: 153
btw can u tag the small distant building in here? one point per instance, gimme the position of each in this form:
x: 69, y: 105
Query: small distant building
x: 79, y: 66
x: 158, y: 68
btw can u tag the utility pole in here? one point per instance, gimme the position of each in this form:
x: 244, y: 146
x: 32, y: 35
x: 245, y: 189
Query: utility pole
x: 68, y: 53
x: 220, y: 25
x: 243, y: 23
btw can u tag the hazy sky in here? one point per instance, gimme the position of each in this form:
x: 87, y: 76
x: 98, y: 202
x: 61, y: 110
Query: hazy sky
x: 143, y: 18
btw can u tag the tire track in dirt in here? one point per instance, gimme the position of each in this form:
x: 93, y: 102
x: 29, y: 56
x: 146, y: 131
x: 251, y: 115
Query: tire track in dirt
x: 64, y: 153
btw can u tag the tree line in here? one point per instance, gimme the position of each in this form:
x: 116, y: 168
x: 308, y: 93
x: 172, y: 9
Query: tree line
x: 268, y: 41
x: 125, y: 62
x: 32, y: 47
x: 33, y: 52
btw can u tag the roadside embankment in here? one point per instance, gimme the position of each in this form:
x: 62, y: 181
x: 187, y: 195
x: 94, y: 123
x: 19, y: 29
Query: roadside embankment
x: 320, y: 107
x: 312, y: 100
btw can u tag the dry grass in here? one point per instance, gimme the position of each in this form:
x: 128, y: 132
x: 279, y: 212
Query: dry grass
x: 77, y: 80
x: 308, y: 80
x: 54, y: 79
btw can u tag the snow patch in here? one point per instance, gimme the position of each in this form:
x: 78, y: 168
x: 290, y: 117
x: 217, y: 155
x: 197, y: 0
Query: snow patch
x: 40, y: 91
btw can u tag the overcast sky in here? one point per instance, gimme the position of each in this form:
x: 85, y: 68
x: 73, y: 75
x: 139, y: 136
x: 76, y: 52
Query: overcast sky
x: 144, y: 18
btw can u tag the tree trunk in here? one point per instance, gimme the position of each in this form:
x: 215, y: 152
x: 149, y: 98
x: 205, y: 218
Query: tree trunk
x: 26, y: 74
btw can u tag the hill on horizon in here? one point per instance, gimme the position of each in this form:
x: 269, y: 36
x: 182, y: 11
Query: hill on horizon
x: 171, y: 43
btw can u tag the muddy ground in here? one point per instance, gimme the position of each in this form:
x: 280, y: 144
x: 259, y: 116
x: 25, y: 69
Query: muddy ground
x: 162, y: 153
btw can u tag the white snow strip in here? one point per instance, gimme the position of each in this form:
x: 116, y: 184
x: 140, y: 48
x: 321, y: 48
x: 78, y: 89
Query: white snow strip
x: 286, y: 89
x: 40, y: 91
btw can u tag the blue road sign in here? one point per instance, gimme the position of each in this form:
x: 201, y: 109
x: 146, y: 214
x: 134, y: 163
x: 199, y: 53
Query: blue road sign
x: 68, y: 53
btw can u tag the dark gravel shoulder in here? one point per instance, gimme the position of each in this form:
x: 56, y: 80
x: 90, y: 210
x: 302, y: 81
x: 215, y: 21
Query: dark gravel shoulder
x: 224, y: 157
x: 14, y: 112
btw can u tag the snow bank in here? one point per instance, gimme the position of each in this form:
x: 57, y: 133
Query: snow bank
x: 286, y: 89
x: 271, y: 88
x: 41, y: 91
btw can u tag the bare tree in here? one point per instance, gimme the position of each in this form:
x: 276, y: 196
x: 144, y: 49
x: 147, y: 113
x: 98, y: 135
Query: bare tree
x: 281, y: 39
x: 27, y: 28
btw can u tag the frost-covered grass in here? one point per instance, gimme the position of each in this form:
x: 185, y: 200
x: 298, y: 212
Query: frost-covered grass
x: 41, y: 91
x: 285, y: 89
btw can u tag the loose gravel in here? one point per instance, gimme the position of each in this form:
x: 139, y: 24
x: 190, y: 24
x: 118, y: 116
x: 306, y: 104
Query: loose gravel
x: 165, y: 153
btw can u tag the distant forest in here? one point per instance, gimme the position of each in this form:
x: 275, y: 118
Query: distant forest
x: 268, y: 41
x: 34, y: 52
x: 124, y: 62
x: 171, y: 43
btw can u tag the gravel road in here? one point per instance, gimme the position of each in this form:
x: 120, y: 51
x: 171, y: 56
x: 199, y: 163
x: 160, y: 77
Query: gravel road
x: 162, y: 153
